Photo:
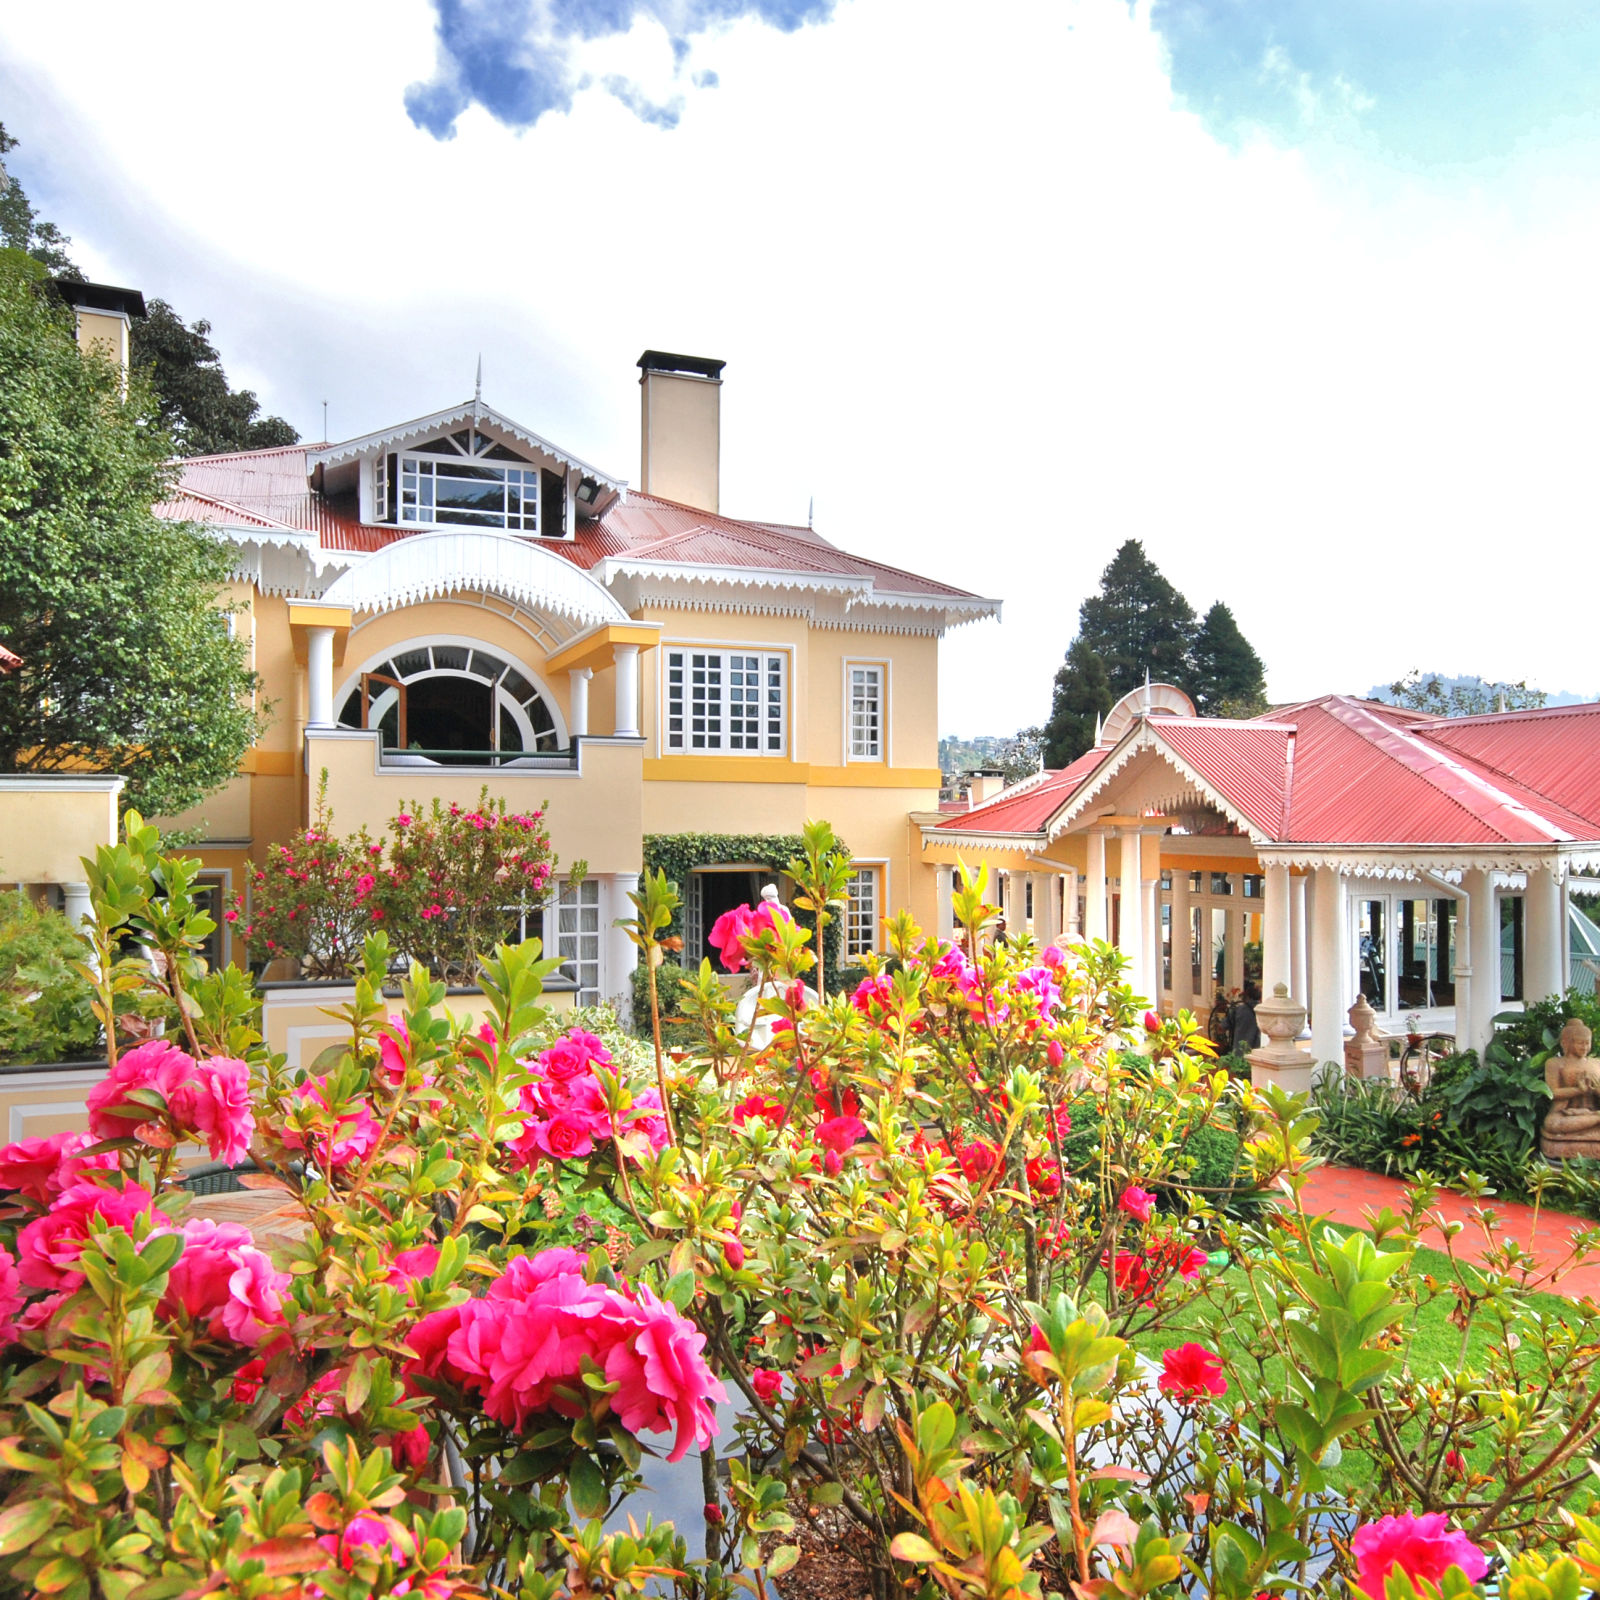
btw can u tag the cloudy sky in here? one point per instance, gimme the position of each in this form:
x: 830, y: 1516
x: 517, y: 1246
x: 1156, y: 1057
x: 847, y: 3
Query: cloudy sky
x: 1302, y: 293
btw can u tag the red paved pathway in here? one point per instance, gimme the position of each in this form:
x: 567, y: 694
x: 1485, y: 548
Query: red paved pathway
x: 1350, y: 1196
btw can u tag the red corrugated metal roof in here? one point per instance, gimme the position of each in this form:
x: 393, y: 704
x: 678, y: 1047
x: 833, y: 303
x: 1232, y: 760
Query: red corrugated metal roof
x: 1027, y: 810
x: 1344, y: 771
x: 270, y: 486
x: 9, y: 661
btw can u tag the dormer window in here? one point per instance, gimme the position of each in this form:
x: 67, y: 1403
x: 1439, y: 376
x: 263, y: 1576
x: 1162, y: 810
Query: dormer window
x: 466, y: 479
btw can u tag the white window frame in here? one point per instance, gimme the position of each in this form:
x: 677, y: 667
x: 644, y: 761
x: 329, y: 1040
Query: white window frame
x: 380, y: 487
x: 415, y: 467
x: 678, y: 699
x: 852, y: 665
x: 564, y: 943
x: 879, y: 869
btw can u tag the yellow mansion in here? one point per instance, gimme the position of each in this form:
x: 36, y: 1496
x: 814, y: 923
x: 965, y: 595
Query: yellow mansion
x: 457, y: 601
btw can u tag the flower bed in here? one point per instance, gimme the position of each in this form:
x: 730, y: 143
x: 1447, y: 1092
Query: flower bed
x: 884, y: 1275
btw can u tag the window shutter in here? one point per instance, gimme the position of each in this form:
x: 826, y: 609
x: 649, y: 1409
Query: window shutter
x: 552, y: 505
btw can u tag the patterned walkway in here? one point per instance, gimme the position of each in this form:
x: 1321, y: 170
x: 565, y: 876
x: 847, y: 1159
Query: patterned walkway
x: 1349, y: 1196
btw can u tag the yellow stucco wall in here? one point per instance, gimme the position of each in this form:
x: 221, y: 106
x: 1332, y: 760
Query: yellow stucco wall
x: 48, y: 822
x: 595, y: 815
x: 680, y: 437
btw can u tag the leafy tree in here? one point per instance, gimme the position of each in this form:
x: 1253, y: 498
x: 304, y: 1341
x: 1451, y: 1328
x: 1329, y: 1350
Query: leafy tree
x: 197, y: 407
x: 127, y: 663
x: 1022, y: 754
x: 1138, y: 623
x: 1226, y: 676
x: 202, y: 413
x: 21, y: 229
x: 1082, y: 696
x: 1462, y: 697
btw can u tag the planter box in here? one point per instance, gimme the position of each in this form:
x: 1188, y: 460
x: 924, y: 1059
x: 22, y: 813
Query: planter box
x: 296, y: 1022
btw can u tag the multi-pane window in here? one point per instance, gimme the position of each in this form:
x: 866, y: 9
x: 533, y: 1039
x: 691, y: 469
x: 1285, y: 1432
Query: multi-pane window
x: 473, y: 494
x: 861, y: 913
x: 576, y: 915
x: 866, y: 712
x: 726, y: 702
x: 380, y: 489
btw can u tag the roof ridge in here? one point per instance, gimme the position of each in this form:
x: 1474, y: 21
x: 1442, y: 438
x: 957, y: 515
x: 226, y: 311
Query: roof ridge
x: 1439, y: 758
x: 1527, y: 714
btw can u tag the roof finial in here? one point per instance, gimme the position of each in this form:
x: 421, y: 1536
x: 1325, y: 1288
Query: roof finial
x: 1099, y: 724
x: 811, y: 509
x: 1502, y: 699
x: 477, y: 390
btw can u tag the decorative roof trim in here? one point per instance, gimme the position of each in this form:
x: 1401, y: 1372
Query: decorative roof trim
x: 937, y: 833
x: 740, y: 577
x: 472, y: 411
x: 1142, y: 736
x: 1403, y: 860
x: 427, y: 566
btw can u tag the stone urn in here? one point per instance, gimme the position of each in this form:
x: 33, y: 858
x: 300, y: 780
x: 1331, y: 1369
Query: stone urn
x: 1280, y: 1060
x: 1366, y: 1055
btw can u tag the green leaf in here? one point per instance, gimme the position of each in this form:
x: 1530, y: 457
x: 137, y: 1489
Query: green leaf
x: 23, y: 1524
x: 680, y: 1290
x: 782, y: 1559
x: 913, y: 1547
x: 588, y: 1488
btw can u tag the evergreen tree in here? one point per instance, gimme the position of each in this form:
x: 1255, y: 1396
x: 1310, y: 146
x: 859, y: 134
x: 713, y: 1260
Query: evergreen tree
x: 1138, y: 623
x: 127, y: 663
x: 1226, y: 678
x: 1082, y: 696
x: 203, y: 414
x: 21, y: 229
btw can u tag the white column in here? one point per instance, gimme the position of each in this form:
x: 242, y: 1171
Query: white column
x: 1182, y: 943
x: 319, y: 660
x: 1543, y: 966
x: 1327, y: 967
x: 1298, y: 988
x: 1478, y: 951
x: 945, y: 882
x: 1130, y: 931
x: 1152, y: 938
x: 79, y: 907
x: 579, y: 678
x: 622, y: 954
x: 626, y: 657
x: 1094, y: 887
x: 1276, y: 937
x: 1071, y: 928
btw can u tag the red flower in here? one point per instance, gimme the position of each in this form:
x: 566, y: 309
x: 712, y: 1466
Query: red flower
x: 1137, y: 1202
x: 758, y: 1106
x: 841, y: 1134
x: 767, y: 1383
x: 1044, y: 1178
x: 1192, y: 1373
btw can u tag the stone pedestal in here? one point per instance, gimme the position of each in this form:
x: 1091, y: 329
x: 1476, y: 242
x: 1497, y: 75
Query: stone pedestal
x: 1366, y: 1055
x: 1280, y: 1061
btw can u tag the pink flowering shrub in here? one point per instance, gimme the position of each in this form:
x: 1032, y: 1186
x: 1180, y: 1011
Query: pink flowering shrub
x: 445, y: 885
x: 927, y: 1264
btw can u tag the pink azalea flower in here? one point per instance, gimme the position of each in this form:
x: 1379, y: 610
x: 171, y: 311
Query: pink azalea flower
x: 1137, y: 1202
x: 49, y: 1247
x: 40, y: 1168
x: 841, y: 1134
x: 732, y: 928
x: 565, y: 1137
x: 571, y: 1057
x: 1054, y: 1053
x: 758, y: 1106
x: 1423, y: 1547
x: 646, y: 1118
x: 665, y: 1381
x: 354, y: 1137
x: 1192, y: 1265
x: 410, y: 1266
x: 157, y: 1064
x: 391, y: 1053
x: 767, y: 1382
x: 10, y: 1297
x: 214, y: 1102
x: 224, y: 1284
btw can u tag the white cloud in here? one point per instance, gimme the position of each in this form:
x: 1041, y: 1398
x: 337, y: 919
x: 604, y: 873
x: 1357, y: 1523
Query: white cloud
x: 984, y: 289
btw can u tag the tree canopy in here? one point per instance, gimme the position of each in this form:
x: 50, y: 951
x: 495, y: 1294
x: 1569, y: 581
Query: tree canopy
x: 1226, y: 678
x: 197, y: 406
x: 1461, y: 697
x: 128, y: 662
x: 1139, y: 626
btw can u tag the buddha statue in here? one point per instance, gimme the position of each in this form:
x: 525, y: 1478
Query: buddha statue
x: 1572, y: 1124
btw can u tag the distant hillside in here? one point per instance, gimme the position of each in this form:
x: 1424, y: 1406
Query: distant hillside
x: 962, y: 755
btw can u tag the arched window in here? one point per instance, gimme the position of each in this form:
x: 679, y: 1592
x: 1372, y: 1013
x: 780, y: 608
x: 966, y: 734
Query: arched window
x: 451, y: 702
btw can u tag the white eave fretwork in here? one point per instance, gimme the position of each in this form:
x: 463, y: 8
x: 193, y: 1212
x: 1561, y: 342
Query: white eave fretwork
x: 427, y: 566
x: 405, y: 434
x: 850, y: 601
x: 1141, y: 737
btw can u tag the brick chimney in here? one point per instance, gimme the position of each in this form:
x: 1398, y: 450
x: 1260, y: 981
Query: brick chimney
x: 680, y: 430
x: 105, y: 318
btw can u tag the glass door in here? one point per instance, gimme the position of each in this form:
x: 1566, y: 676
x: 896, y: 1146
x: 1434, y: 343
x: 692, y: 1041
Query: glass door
x: 1373, y: 967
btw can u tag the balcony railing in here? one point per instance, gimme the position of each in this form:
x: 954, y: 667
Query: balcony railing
x: 507, y: 760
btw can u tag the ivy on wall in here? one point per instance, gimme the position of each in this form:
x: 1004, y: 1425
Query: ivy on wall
x: 678, y: 854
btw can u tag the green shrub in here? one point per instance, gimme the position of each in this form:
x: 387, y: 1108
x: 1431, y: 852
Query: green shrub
x: 1210, y: 1162
x: 45, y: 1010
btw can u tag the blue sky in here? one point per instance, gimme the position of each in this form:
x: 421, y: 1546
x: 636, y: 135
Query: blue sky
x: 1301, y: 295
x: 1443, y: 87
